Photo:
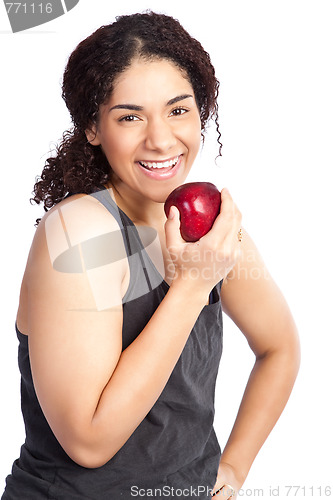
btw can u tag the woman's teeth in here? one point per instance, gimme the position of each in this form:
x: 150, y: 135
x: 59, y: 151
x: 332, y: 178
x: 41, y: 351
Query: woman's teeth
x: 150, y: 165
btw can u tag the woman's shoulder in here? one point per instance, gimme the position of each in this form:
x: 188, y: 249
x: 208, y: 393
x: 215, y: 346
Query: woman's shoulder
x: 67, y: 227
x: 77, y: 208
x: 73, y: 241
x: 78, y: 215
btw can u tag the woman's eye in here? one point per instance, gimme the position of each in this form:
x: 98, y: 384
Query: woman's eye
x: 178, y: 111
x: 128, y: 118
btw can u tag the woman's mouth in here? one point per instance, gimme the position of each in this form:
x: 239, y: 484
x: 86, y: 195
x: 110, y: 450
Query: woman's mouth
x: 161, y: 169
x: 159, y: 165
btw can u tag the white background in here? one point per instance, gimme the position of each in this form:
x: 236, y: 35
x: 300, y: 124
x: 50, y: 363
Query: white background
x: 274, y: 62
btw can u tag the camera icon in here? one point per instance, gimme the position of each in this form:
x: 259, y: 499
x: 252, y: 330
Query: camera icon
x: 25, y: 15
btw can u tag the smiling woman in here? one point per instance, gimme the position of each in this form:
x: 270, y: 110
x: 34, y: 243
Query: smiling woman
x: 102, y: 59
x: 119, y: 359
x: 160, y: 140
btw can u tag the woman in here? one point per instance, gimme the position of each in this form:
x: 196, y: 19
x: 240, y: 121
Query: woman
x: 120, y: 320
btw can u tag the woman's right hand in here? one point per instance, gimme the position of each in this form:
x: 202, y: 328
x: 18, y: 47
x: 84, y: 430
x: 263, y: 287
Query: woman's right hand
x: 205, y: 262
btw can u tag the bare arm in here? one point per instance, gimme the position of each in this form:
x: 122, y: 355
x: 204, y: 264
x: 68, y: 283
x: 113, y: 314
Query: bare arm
x: 254, y: 302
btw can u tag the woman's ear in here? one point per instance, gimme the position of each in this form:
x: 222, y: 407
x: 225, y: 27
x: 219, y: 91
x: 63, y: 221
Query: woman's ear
x: 92, y: 136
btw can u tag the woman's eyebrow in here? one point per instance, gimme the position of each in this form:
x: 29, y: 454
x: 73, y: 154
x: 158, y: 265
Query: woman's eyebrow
x: 132, y: 107
x: 178, y: 98
x: 135, y: 107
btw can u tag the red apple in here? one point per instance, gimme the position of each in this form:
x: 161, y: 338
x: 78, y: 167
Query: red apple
x: 199, y: 205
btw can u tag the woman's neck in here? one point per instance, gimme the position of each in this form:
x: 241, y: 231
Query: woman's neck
x: 141, y: 210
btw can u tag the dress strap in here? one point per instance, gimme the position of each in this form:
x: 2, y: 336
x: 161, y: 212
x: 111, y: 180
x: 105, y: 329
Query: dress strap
x: 133, y: 245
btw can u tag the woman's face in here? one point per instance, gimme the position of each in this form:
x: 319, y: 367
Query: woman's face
x: 150, y: 129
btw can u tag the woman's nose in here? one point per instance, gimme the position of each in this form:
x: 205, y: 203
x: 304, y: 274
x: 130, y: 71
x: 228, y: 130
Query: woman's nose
x: 160, y: 136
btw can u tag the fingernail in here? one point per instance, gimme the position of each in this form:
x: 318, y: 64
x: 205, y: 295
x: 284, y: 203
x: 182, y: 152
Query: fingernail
x: 171, y: 213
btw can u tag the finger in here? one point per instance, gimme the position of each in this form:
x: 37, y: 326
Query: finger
x: 228, y: 206
x: 230, y: 214
x: 226, y: 491
x: 228, y: 222
x: 172, y: 228
x: 226, y: 201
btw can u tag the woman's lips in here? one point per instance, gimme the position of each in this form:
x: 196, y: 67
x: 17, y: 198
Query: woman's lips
x: 161, y: 169
x: 159, y: 165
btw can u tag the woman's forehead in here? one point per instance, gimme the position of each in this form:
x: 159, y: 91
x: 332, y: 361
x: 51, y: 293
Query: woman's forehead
x: 142, y: 78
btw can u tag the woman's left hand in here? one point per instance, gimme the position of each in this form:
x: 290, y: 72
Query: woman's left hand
x: 227, y: 484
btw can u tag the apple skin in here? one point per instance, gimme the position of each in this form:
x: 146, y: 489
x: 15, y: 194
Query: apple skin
x: 198, y: 204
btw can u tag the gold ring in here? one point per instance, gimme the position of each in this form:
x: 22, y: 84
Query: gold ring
x: 240, y: 235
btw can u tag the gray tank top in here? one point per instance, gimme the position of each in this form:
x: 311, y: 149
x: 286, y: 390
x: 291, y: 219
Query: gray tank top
x: 174, y: 452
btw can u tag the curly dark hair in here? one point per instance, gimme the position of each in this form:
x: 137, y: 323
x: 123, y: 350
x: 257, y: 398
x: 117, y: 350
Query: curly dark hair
x: 78, y: 166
